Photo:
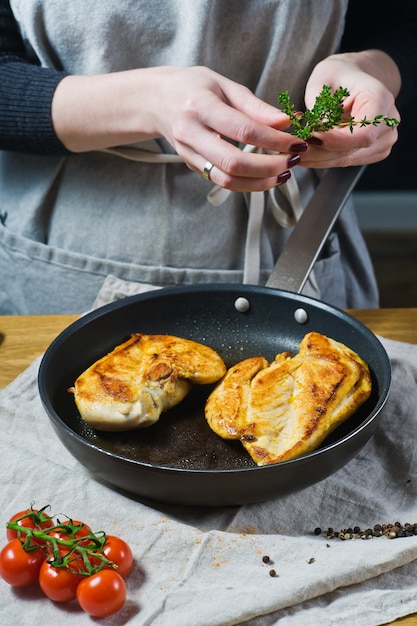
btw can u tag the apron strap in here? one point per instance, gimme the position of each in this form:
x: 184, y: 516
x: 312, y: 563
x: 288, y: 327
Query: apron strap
x: 147, y: 152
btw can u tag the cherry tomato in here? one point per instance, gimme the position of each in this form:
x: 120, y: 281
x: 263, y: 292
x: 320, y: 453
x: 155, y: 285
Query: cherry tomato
x: 18, y: 567
x: 59, y: 583
x: 102, y: 594
x: 117, y: 550
x: 29, y: 522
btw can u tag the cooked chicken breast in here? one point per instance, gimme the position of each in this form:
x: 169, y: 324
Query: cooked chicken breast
x: 132, y: 385
x: 285, y: 409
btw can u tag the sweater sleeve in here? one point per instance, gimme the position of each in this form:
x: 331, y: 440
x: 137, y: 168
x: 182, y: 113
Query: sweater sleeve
x: 26, y: 92
x: 387, y: 26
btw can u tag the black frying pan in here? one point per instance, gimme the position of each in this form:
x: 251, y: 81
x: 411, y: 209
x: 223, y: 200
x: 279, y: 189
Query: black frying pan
x: 180, y: 460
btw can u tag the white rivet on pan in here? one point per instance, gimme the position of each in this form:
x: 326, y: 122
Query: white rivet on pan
x: 301, y: 316
x: 242, y: 305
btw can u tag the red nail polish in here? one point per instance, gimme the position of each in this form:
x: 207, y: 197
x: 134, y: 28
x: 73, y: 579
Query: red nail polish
x: 299, y: 147
x: 293, y: 160
x: 314, y: 141
x: 282, y: 178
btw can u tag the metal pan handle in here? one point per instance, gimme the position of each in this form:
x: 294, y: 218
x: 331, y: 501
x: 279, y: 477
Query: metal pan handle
x: 311, y: 231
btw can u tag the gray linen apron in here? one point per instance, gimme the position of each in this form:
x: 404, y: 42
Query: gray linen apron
x: 137, y: 212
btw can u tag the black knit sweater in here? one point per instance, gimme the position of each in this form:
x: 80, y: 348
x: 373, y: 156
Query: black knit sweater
x: 26, y: 90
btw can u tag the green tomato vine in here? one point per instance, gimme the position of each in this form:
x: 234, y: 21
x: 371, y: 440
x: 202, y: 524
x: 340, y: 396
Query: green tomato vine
x: 62, y: 551
x: 327, y: 112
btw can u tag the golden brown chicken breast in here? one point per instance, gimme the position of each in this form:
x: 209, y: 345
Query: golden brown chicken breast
x: 132, y: 385
x: 287, y: 408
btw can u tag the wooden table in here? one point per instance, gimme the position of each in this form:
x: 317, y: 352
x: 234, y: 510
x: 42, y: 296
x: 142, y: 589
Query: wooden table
x: 23, y: 338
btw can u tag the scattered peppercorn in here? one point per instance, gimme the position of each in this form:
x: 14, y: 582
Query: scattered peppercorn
x: 390, y: 531
x: 266, y: 559
x: 272, y: 573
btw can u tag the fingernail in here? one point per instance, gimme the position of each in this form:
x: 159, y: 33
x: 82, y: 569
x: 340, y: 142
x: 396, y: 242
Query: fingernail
x: 299, y: 147
x: 282, y: 178
x: 314, y: 141
x: 293, y: 160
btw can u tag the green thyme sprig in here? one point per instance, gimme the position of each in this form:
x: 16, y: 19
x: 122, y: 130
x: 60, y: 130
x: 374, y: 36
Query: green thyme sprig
x: 327, y: 112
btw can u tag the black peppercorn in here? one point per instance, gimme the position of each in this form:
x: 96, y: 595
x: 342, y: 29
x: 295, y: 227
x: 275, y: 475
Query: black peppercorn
x: 391, y: 531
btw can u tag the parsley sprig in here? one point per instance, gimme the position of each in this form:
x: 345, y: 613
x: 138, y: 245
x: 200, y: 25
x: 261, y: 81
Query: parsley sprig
x: 327, y: 112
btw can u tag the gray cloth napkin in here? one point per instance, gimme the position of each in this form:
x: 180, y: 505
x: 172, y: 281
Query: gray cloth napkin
x: 204, y: 567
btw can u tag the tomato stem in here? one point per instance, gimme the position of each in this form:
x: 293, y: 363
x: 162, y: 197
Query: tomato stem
x: 85, y: 551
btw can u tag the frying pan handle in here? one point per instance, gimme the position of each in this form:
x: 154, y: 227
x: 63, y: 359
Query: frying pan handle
x: 311, y: 231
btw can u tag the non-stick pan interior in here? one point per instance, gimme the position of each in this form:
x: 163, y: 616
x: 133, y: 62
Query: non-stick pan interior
x: 275, y: 321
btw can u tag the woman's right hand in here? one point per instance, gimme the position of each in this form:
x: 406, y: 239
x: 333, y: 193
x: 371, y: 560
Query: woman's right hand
x: 198, y: 111
x: 201, y: 108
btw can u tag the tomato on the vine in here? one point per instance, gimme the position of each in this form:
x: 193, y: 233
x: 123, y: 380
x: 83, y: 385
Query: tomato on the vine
x: 19, y: 567
x: 67, y: 560
x: 102, y: 594
x: 118, y: 551
x: 29, y: 521
x: 59, y: 583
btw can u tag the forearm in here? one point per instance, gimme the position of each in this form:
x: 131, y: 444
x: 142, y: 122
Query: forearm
x: 95, y: 112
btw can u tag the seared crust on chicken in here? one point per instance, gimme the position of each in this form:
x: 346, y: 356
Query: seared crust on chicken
x: 132, y: 385
x: 285, y: 409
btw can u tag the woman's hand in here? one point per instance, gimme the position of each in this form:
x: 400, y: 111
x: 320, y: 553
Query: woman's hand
x: 195, y: 109
x: 201, y: 108
x: 373, y: 80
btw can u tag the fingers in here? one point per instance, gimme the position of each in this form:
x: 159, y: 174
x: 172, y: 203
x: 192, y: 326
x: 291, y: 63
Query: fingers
x: 241, y: 183
x: 241, y: 101
x: 211, y: 122
x: 219, y: 119
x: 229, y: 167
x: 342, y: 148
x: 356, y: 144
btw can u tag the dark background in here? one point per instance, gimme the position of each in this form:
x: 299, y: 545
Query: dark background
x: 398, y: 171
x: 394, y: 252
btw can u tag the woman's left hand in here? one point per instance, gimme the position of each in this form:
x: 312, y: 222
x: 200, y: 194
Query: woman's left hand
x: 373, y: 81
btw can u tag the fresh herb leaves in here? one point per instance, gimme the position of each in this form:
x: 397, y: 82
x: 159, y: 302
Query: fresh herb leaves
x: 326, y: 113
